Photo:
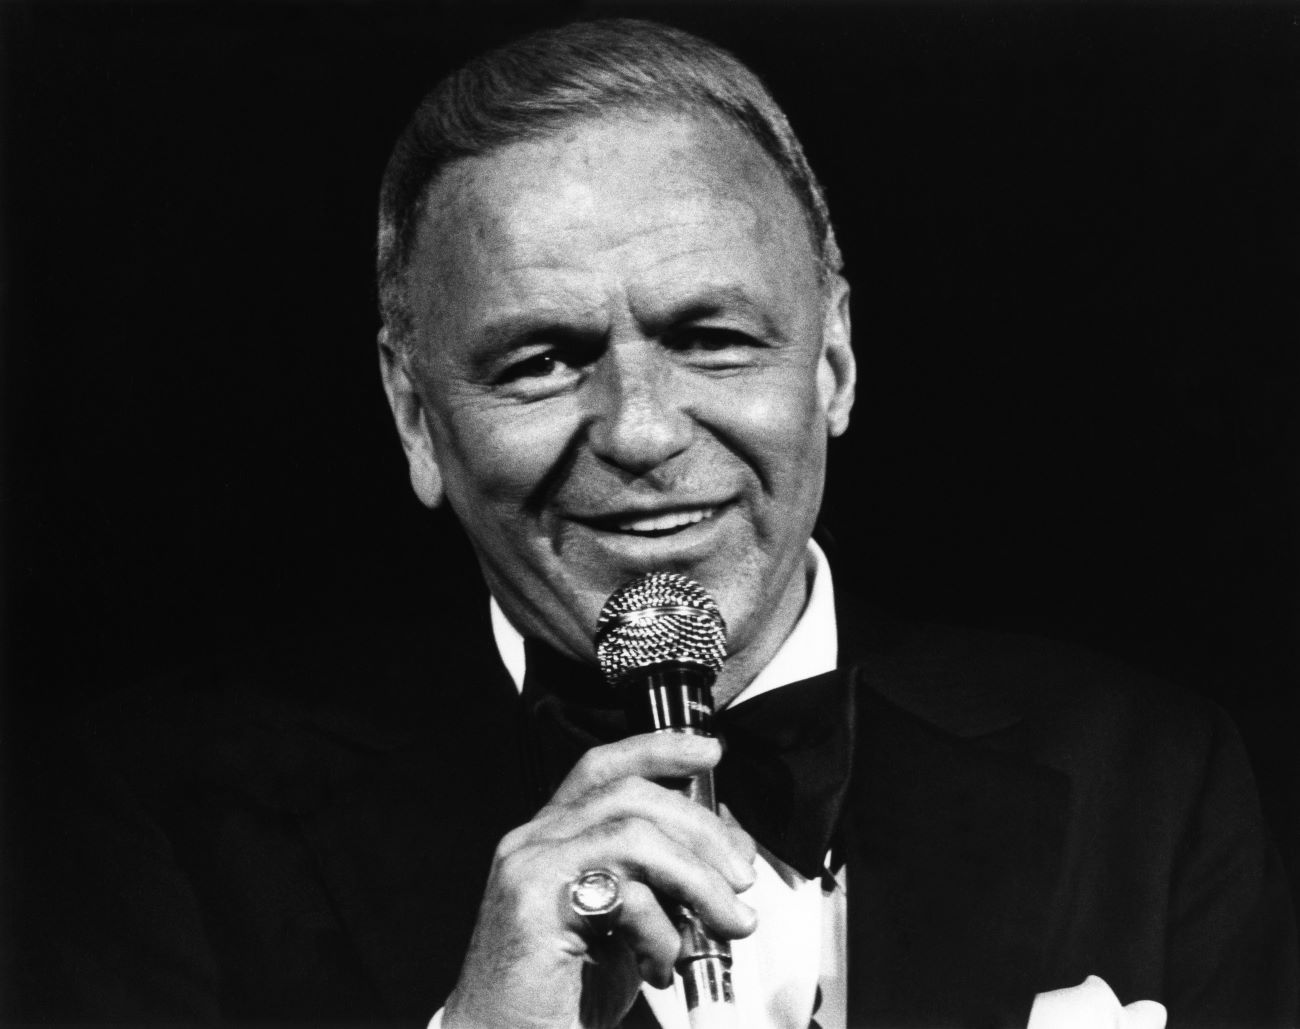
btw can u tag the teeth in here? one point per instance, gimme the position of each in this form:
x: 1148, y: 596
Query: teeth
x: 664, y: 522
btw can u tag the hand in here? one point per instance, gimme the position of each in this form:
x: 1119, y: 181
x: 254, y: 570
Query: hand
x: 529, y: 963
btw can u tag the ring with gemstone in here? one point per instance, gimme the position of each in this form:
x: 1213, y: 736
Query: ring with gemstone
x: 596, y: 897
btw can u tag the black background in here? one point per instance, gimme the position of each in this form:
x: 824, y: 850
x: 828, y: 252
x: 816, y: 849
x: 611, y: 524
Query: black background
x: 1071, y: 230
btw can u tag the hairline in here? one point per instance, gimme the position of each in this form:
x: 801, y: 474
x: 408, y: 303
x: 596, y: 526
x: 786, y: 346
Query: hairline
x: 736, y: 97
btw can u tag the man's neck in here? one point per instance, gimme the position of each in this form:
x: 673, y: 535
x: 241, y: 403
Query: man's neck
x: 747, y: 658
x: 811, y: 647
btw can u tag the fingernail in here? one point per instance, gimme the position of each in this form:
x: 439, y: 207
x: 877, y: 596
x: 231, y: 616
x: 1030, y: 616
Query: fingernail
x: 748, y: 916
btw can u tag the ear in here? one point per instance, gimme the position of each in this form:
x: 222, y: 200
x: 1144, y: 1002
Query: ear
x: 411, y: 417
x: 837, y: 375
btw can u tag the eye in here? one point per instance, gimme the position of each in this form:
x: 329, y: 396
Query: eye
x: 535, y: 366
x: 541, y: 370
x: 699, y: 337
x: 712, y: 346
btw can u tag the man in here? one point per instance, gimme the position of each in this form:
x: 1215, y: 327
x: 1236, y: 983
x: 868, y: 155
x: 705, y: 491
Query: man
x: 616, y: 344
x: 616, y: 340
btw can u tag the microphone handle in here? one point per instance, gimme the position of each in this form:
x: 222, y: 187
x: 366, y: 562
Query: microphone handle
x: 678, y: 697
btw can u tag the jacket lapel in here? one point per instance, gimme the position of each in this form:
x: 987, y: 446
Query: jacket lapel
x: 953, y: 853
x: 404, y: 848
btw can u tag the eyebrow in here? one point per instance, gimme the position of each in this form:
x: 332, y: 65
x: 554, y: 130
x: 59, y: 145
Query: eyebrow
x: 720, y: 300
x: 512, y: 330
x: 499, y: 336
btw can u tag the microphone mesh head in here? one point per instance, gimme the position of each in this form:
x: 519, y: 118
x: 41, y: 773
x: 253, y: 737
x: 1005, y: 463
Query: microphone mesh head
x: 657, y: 619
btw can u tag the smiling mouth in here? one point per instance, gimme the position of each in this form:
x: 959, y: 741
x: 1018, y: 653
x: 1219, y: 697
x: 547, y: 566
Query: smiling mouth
x: 651, y: 526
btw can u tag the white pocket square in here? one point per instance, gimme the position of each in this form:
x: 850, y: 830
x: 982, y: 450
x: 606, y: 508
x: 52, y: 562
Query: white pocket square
x: 1093, y: 1005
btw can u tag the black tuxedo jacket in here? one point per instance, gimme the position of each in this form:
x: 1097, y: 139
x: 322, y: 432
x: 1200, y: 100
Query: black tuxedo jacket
x: 307, y: 842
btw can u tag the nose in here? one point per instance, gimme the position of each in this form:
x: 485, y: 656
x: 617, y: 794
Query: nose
x: 638, y: 421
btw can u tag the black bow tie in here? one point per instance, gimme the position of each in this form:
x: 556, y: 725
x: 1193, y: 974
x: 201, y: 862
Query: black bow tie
x: 784, y: 772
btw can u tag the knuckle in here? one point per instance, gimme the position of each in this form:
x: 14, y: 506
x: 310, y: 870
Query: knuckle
x: 626, y: 793
x: 744, y: 843
x: 594, y: 765
x: 512, y: 842
x: 515, y: 869
x: 614, y: 799
x: 639, y: 833
x: 610, y: 830
x: 633, y: 836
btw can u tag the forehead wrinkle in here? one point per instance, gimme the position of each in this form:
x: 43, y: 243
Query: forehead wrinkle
x: 617, y: 229
x: 467, y: 246
x: 716, y: 195
x: 690, y: 159
x: 696, y: 152
x: 511, y: 322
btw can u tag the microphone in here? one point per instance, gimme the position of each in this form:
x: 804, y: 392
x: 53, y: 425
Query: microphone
x: 661, y: 642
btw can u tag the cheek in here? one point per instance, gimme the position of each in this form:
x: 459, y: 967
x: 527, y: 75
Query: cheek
x: 499, y: 457
x: 782, y: 425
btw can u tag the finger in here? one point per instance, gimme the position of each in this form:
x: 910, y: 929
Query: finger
x: 610, y: 982
x: 729, y: 851
x: 656, y: 755
x: 528, y: 878
x: 645, y: 853
x: 645, y: 929
x: 740, y: 839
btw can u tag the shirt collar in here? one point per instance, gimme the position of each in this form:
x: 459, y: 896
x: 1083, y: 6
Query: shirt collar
x: 810, y: 649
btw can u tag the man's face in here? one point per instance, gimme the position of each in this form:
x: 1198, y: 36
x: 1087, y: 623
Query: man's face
x: 626, y: 363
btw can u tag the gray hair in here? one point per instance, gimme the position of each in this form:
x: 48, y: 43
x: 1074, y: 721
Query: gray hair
x: 547, y: 80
